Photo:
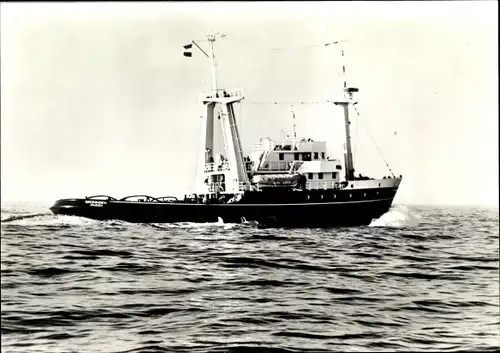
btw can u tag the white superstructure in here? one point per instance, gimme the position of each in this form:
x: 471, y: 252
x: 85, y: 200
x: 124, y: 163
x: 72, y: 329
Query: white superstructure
x: 305, y: 157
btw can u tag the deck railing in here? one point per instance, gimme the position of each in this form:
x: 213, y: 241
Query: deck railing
x: 314, y: 185
x: 275, y: 166
x: 222, y: 187
x: 220, y: 92
x: 214, y: 167
x: 322, y: 184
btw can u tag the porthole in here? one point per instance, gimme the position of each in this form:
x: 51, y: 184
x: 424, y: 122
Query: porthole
x: 352, y: 185
x: 378, y: 184
x: 364, y: 195
x: 321, y: 197
x: 377, y: 192
x: 334, y: 196
x: 308, y: 197
x: 350, y: 195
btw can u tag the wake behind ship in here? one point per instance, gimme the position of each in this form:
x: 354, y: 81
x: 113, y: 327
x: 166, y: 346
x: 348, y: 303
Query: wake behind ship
x: 281, y: 183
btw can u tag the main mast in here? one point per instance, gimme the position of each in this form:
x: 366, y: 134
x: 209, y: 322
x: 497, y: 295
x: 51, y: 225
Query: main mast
x: 211, y: 40
x: 232, y: 174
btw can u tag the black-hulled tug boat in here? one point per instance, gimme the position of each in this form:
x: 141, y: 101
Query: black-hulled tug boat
x: 290, y: 183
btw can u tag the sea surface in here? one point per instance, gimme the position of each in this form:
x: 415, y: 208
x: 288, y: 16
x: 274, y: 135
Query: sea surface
x: 417, y: 279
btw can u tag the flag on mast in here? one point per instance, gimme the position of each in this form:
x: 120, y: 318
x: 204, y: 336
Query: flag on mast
x: 188, y: 53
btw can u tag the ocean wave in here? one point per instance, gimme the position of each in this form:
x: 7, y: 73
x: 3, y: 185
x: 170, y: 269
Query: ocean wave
x: 399, y: 216
x: 68, y: 284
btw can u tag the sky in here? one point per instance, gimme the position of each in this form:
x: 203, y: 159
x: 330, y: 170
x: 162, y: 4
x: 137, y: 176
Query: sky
x: 97, y: 98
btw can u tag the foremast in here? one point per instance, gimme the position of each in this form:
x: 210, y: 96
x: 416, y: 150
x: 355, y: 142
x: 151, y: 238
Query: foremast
x: 348, y: 100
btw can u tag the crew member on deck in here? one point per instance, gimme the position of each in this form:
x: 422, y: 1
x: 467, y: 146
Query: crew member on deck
x: 221, y: 162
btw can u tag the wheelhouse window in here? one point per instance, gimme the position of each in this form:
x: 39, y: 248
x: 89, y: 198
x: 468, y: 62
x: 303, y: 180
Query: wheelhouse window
x: 296, y: 156
x: 306, y: 156
x: 320, y: 175
x: 310, y: 175
x: 316, y: 155
x: 334, y: 175
x: 322, y: 155
x: 282, y: 156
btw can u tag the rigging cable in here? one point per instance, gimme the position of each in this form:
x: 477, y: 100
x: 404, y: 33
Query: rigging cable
x: 241, y: 41
x: 240, y: 124
x: 356, y: 136
x: 290, y: 103
x: 378, y: 149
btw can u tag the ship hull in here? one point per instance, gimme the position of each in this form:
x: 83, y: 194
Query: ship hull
x: 348, y: 208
